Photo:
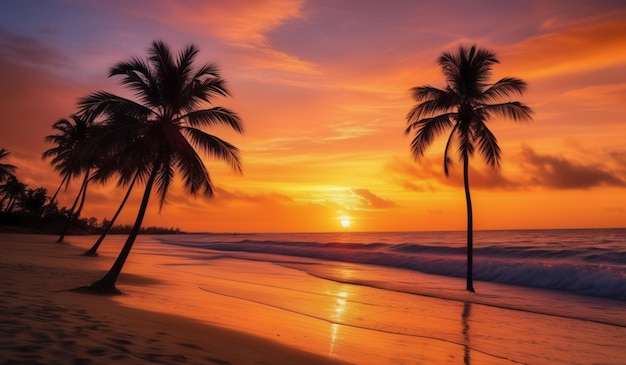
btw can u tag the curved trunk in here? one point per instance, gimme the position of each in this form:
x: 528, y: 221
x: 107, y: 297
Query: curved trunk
x: 73, y: 215
x: 470, y: 223
x: 93, y: 251
x: 65, y: 178
x: 107, y: 283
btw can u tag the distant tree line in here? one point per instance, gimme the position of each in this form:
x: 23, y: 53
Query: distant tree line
x: 31, y: 210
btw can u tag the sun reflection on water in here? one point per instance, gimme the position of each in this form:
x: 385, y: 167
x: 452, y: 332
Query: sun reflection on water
x: 337, y: 317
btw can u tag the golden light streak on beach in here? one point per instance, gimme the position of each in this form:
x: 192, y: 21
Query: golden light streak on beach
x: 336, y: 319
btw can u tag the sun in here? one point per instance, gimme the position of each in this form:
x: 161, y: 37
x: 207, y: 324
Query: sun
x: 345, y: 221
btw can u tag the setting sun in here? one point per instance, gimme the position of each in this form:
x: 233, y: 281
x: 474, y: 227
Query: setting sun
x: 345, y: 221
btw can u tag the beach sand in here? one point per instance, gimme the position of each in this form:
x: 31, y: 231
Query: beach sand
x: 43, y: 323
x: 185, y: 306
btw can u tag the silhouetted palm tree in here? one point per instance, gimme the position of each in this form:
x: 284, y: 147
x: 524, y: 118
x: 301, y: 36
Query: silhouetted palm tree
x: 464, y: 107
x: 65, y: 156
x: 33, y: 203
x: 12, y: 192
x: 157, y: 134
x: 6, y: 170
x: 70, y: 160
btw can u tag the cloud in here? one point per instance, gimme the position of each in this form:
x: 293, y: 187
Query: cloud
x: 426, y: 174
x: 30, y: 52
x: 241, y: 25
x: 372, y: 201
x: 224, y: 195
x: 560, y: 173
x: 597, y: 97
x: 581, y: 48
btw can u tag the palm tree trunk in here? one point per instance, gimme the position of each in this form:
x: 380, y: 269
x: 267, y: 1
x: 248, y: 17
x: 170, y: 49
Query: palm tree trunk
x: 65, y: 178
x: 93, y: 251
x: 10, y: 205
x: 470, y: 225
x: 107, y: 283
x: 73, y: 215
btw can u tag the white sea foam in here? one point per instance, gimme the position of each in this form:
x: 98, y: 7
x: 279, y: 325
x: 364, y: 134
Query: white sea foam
x: 589, y: 262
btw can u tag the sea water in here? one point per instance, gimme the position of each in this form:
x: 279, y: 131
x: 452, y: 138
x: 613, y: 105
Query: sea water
x: 582, y: 261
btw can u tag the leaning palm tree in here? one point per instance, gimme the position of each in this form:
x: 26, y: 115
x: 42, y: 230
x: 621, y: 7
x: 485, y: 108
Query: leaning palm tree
x: 464, y: 107
x: 162, y: 130
x: 70, y: 133
x: 6, y: 170
x: 70, y: 160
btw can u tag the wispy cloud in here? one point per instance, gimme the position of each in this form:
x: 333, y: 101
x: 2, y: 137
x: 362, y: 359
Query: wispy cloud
x: 370, y: 200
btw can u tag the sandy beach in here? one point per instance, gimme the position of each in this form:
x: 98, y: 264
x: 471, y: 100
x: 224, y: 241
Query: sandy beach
x: 43, y: 323
x: 182, y: 306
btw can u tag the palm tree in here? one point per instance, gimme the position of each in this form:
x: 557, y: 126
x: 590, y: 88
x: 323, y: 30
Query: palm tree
x: 464, y: 107
x: 12, y: 192
x: 64, y: 156
x: 70, y: 160
x: 33, y: 203
x: 6, y: 170
x: 158, y: 134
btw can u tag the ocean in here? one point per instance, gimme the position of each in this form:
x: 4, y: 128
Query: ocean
x: 582, y: 261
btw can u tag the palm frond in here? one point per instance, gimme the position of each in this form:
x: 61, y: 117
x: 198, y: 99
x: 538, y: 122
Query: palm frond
x: 505, y: 87
x: 465, y: 145
x: 164, y: 178
x: 447, y: 161
x: 104, y: 103
x: 487, y: 144
x: 139, y: 77
x: 6, y: 170
x: 161, y: 59
x: 433, y: 101
x: 195, y: 175
x: 214, y: 147
x: 513, y: 110
x: 213, y: 117
x: 185, y: 62
x: 425, y: 132
x: 207, y: 70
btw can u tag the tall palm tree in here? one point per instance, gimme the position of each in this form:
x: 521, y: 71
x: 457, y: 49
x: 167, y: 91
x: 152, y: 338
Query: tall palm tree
x: 464, y: 107
x: 6, y: 170
x: 161, y: 129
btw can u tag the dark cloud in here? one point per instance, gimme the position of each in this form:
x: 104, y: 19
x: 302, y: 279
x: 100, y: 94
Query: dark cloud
x: 560, y: 173
x: 372, y: 201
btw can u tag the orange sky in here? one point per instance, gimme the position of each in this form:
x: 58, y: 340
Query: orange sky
x: 323, y: 90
